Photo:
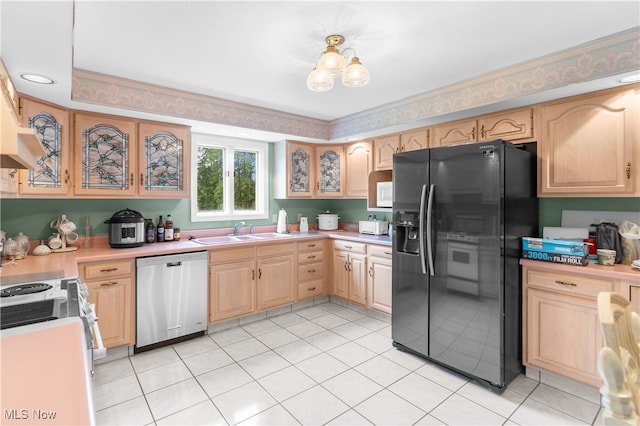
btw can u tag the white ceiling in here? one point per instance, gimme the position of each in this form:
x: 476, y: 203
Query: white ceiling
x: 260, y: 52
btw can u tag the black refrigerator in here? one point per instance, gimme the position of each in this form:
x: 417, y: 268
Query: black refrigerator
x: 459, y: 214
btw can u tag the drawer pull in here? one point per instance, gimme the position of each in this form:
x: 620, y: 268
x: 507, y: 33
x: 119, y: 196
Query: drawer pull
x: 310, y: 245
x: 388, y: 253
x: 109, y: 284
x: 348, y: 247
x: 311, y: 257
x: 311, y: 271
x: 311, y: 289
x: 566, y: 283
x: 108, y: 270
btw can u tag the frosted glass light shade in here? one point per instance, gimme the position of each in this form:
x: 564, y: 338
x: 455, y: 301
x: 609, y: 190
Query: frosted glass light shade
x: 319, y: 80
x: 332, y: 61
x: 356, y: 75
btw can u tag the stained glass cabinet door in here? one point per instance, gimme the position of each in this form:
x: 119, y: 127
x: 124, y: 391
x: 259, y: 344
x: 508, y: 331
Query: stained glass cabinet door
x: 300, y: 169
x: 52, y: 174
x: 105, y: 156
x: 331, y: 171
x: 163, y: 160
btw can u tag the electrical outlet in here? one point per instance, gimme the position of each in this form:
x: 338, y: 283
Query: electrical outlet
x: 274, y: 218
x: 299, y: 216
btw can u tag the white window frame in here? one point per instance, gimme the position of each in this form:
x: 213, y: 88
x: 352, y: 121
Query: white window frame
x: 230, y: 145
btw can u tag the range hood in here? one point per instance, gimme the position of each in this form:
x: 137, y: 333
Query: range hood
x: 20, y: 148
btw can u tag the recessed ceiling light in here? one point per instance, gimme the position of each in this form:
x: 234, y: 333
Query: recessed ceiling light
x: 633, y: 78
x: 36, y: 78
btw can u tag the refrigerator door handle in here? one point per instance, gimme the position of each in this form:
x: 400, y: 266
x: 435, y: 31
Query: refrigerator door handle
x: 421, y: 246
x: 432, y: 190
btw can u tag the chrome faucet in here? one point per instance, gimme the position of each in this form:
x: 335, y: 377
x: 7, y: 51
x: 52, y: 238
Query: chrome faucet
x: 236, y: 227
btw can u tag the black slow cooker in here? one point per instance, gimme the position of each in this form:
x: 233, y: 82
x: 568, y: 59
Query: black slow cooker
x: 126, y: 229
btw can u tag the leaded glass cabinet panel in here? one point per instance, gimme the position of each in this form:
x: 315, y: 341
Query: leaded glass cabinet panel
x: 300, y: 170
x: 331, y: 171
x: 164, y: 153
x: 104, y: 157
x: 52, y: 174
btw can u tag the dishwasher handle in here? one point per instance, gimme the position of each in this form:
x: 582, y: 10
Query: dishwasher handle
x: 172, y: 264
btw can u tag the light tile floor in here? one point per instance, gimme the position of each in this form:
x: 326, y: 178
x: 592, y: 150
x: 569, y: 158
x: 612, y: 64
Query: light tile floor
x: 324, y: 364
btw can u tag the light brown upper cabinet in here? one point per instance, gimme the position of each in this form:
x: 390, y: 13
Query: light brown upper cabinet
x: 454, y: 133
x: 52, y: 174
x: 589, y: 145
x: 385, y: 146
x: 119, y: 157
x: 512, y: 125
x: 359, y: 158
x: 383, y: 149
x: 414, y: 141
x: 330, y: 168
x: 163, y: 160
x: 295, y: 170
x: 105, y: 155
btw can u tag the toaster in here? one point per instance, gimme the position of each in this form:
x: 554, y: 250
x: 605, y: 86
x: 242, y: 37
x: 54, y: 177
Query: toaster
x: 374, y: 227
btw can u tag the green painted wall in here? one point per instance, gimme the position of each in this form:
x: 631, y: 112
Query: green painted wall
x: 33, y: 216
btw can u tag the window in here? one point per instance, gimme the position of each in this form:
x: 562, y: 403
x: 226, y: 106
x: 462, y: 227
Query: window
x: 230, y: 179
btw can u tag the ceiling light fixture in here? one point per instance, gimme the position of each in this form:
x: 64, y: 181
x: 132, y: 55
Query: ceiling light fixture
x: 332, y: 64
x: 36, y: 78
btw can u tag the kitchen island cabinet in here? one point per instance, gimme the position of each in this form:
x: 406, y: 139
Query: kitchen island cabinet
x: 589, y: 145
x: 112, y: 291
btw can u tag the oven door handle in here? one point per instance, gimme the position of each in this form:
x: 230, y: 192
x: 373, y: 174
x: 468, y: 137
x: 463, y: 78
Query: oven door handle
x: 432, y: 190
x: 99, y: 351
x: 421, y: 221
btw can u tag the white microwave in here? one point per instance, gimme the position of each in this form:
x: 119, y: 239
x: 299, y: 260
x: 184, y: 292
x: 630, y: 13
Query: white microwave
x: 385, y: 194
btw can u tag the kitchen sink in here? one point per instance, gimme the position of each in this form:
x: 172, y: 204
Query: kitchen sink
x: 206, y: 241
x: 260, y: 236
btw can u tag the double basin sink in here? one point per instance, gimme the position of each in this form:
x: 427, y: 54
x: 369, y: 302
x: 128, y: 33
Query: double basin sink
x: 224, y: 239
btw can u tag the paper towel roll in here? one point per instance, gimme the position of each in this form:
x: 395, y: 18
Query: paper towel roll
x: 282, y: 222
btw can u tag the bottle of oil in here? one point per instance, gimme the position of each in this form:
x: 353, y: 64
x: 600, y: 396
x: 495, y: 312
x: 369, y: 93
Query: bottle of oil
x: 160, y: 230
x: 168, y: 229
x: 149, y: 231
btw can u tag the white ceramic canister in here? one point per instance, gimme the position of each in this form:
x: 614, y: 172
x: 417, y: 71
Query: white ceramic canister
x: 23, y: 242
x: 10, y: 247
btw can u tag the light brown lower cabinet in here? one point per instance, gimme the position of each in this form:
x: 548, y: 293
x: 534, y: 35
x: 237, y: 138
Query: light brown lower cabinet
x: 262, y: 280
x: 350, y: 271
x: 379, y: 278
x: 111, y: 289
x: 561, y: 330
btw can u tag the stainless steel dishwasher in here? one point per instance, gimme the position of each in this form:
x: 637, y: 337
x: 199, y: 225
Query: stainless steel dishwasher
x: 171, y: 298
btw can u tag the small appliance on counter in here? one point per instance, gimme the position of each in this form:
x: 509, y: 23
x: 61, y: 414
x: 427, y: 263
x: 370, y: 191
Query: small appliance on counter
x: 328, y: 221
x: 126, y: 229
x: 373, y: 227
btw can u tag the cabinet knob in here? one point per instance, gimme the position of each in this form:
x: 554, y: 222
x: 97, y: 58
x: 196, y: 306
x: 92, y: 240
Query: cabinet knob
x: 141, y: 179
x: 131, y: 179
x: 259, y: 273
x: 253, y: 275
x: 371, y: 271
x: 67, y: 176
x: 482, y: 132
x: 473, y: 132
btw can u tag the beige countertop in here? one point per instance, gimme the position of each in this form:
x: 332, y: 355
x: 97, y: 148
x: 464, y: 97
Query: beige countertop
x: 618, y: 271
x: 44, y: 375
x: 58, y: 265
